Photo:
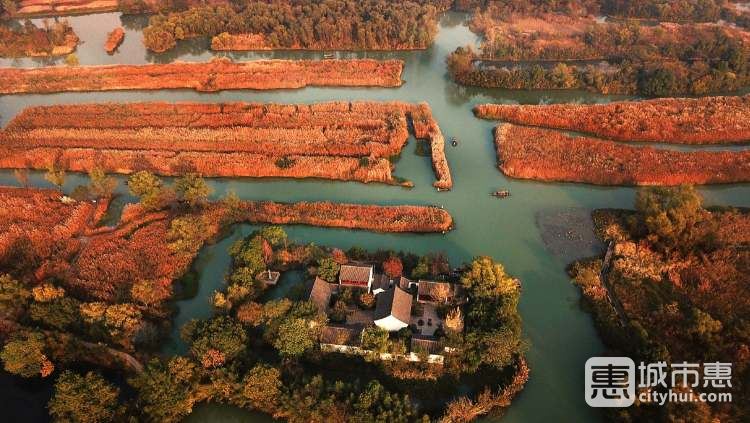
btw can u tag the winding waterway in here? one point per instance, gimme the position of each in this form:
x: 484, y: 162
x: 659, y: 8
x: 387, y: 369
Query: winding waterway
x: 561, y: 334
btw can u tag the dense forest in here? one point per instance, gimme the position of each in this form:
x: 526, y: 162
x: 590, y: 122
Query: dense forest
x: 679, y: 280
x: 317, y: 25
x: 553, y: 51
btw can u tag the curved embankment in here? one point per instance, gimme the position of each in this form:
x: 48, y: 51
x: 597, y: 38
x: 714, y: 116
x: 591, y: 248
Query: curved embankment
x: 216, y: 75
x: 708, y: 120
x: 549, y: 155
x: 338, y: 141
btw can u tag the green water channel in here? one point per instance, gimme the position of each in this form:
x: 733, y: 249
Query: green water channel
x: 561, y: 334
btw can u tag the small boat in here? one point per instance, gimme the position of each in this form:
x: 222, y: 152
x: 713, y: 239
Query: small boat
x: 503, y: 193
x: 328, y: 56
x: 454, y: 141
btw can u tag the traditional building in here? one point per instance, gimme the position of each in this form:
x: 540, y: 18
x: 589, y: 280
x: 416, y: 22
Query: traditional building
x: 341, y: 338
x: 393, y: 309
x: 435, y: 292
x: 356, y: 276
x: 426, y: 345
x: 320, y: 294
x: 380, y: 283
x: 268, y: 277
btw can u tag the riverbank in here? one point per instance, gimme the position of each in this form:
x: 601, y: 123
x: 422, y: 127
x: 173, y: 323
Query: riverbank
x: 548, y: 155
x: 672, y: 296
x: 707, y: 120
x: 36, y: 8
x: 216, y: 75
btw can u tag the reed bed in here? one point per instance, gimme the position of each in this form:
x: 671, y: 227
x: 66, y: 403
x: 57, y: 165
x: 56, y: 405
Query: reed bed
x: 114, y: 39
x: 337, y: 140
x: 548, y: 155
x: 708, y: 120
x: 215, y: 75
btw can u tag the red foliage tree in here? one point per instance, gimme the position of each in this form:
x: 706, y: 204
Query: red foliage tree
x: 393, y: 267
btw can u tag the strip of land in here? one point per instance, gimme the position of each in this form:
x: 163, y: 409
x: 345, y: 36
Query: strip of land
x: 548, y: 155
x: 338, y: 140
x: 708, y: 120
x: 215, y: 75
x: 31, y: 8
x: 114, y: 39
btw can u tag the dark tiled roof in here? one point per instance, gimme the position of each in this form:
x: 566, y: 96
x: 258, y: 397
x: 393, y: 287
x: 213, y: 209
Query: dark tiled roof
x: 341, y: 335
x: 429, y: 288
x: 355, y: 273
x: 394, y: 302
x: 403, y: 283
x: 320, y: 294
x: 431, y: 346
x: 381, y: 281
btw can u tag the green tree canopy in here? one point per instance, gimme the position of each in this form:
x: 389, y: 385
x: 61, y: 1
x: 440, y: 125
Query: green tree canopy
x: 84, y: 399
x: 222, y: 334
x: 24, y: 356
x: 101, y: 185
x: 670, y: 215
x: 148, y: 188
x: 328, y: 269
x: 192, y: 189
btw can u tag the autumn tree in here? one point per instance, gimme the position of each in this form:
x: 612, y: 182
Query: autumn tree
x: 393, y: 267
x: 249, y: 260
x: 149, y: 189
x: 233, y: 206
x: 262, y: 388
x: 295, y: 336
x: 55, y: 175
x: 101, y: 185
x: 493, y: 323
x: 375, y: 338
x: 454, y: 320
x: 85, y: 399
x: 149, y: 292
x: 328, y: 269
x: 192, y: 189
x: 166, y: 391
x: 24, y: 356
x: 220, y: 336
x: 14, y: 297
x: 670, y: 215
x: 275, y: 235
x: 187, y: 233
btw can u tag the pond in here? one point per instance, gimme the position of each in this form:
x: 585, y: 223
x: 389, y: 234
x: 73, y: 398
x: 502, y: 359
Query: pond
x: 562, y: 336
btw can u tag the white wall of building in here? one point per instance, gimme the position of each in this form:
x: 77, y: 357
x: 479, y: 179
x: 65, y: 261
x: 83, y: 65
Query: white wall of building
x: 391, y: 324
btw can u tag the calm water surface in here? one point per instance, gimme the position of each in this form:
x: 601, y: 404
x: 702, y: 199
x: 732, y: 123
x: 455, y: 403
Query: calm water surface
x: 562, y: 336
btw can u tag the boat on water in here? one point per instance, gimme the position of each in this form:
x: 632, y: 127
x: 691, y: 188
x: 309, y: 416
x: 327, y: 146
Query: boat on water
x: 328, y: 56
x: 503, y: 193
x: 454, y: 141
